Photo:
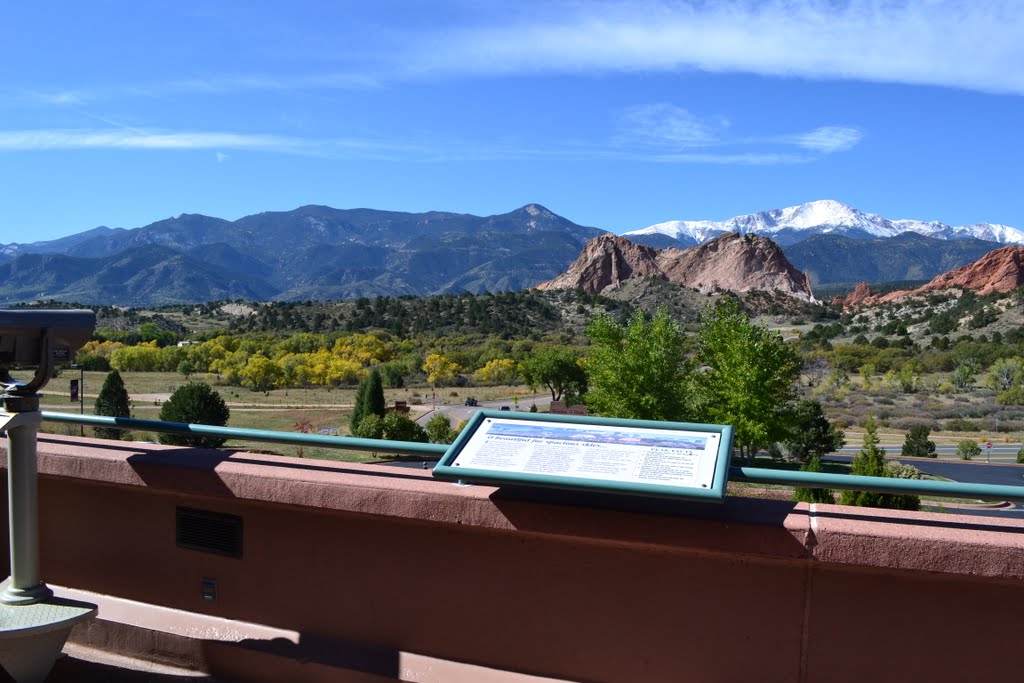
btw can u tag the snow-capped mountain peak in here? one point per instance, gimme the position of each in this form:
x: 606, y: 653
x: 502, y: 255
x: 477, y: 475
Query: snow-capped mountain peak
x: 796, y: 223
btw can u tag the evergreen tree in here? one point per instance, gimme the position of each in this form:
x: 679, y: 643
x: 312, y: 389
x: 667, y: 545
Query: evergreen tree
x: 871, y: 463
x: 375, y: 403
x: 359, y: 410
x: 112, y: 402
x: 195, y: 403
x: 813, y: 434
x: 917, y: 443
x: 369, y: 400
x: 809, y: 495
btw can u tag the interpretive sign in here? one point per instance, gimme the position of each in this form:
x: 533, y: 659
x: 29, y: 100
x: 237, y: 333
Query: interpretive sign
x: 641, y: 457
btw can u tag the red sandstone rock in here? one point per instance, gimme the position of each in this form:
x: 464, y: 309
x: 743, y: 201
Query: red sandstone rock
x: 733, y: 262
x: 1001, y: 270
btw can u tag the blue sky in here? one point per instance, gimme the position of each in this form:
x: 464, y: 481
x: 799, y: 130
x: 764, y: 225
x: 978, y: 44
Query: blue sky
x: 613, y: 114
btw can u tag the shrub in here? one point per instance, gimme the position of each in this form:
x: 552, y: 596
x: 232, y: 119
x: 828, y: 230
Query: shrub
x: 910, y: 423
x: 968, y: 449
x: 400, y: 427
x: 195, y: 403
x: 898, y: 470
x: 1020, y: 456
x: 439, y: 429
x: 1014, y: 396
x: 960, y: 425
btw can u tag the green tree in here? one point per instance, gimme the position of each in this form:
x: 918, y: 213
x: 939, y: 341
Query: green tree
x: 813, y: 434
x: 813, y: 495
x: 393, y: 374
x: 638, y: 371
x: 439, y: 429
x: 369, y: 427
x: 968, y: 449
x: 963, y: 375
x: 1004, y: 373
x: 917, y: 444
x: 195, y: 403
x: 187, y: 368
x: 369, y: 400
x: 112, y: 401
x: 747, y: 377
x: 870, y: 462
x: 557, y: 369
x: 394, y: 426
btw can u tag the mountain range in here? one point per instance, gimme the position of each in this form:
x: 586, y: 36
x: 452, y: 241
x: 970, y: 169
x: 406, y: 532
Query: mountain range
x: 313, y: 252
x: 318, y: 252
x: 825, y: 217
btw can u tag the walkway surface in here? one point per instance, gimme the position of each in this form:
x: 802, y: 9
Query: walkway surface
x: 85, y: 665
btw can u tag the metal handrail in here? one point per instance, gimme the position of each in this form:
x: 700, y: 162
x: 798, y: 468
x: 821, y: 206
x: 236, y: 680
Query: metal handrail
x: 947, y: 489
x: 349, y: 443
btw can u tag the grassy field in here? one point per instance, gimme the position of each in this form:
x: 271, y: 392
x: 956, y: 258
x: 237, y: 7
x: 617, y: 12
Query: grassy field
x: 282, y: 410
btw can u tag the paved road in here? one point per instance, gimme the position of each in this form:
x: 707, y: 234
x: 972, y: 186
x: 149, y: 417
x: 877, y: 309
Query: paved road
x: 458, y: 411
x: 1005, y: 453
x: 974, y: 472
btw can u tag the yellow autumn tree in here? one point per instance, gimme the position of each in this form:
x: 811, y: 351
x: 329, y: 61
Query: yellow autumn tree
x: 440, y: 369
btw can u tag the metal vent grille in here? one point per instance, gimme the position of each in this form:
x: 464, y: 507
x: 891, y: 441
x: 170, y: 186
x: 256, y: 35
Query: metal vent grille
x: 209, y: 532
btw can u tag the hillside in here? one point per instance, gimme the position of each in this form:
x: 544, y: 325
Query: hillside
x: 314, y: 252
x: 834, y: 259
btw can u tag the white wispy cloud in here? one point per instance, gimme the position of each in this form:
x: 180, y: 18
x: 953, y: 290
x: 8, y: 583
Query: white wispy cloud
x: 659, y: 133
x: 661, y: 124
x: 971, y: 44
x: 211, y: 86
x: 669, y: 133
x: 43, y: 140
x: 828, y: 139
x: 58, y: 139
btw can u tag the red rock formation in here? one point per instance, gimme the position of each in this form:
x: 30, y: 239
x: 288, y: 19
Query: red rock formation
x: 1001, y: 270
x: 606, y: 260
x: 860, y: 296
x: 732, y: 262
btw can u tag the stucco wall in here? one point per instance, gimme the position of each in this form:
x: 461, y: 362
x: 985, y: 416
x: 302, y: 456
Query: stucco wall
x: 394, y: 561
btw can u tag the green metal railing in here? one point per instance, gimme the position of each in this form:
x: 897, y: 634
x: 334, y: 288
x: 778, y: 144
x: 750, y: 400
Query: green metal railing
x: 946, y: 489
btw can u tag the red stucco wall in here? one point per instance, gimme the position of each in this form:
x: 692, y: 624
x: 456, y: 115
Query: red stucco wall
x: 746, y: 591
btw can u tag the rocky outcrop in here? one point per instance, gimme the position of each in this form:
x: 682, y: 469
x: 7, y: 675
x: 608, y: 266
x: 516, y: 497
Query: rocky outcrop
x: 736, y: 263
x: 1001, y: 270
x: 606, y: 261
x: 732, y: 262
x: 860, y: 296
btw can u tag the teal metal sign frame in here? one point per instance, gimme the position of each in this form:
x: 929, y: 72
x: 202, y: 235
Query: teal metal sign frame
x: 597, y: 454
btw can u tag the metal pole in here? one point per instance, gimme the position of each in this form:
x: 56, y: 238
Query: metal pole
x: 81, y: 397
x: 24, y: 586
